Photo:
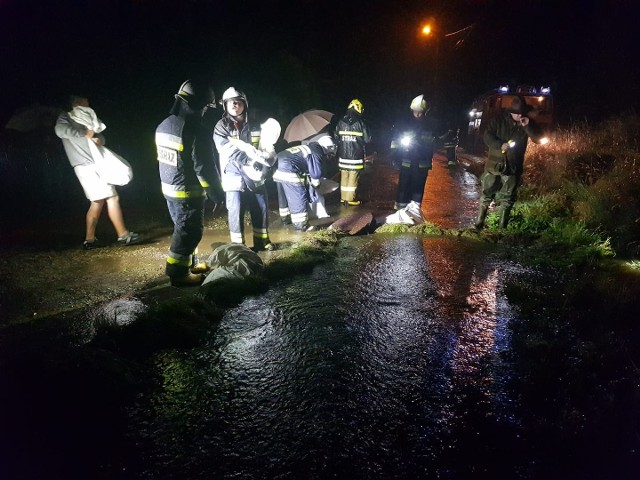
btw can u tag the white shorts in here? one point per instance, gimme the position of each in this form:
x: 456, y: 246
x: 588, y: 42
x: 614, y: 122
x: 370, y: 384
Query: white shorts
x: 94, y: 187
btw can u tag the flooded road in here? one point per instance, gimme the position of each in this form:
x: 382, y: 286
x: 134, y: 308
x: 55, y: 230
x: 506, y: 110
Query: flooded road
x: 405, y: 357
x: 362, y: 370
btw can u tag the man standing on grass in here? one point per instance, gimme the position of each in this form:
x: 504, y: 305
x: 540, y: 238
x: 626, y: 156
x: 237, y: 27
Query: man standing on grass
x: 507, y: 137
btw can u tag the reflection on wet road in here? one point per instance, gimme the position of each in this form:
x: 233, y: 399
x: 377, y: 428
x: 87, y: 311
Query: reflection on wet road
x: 364, y: 369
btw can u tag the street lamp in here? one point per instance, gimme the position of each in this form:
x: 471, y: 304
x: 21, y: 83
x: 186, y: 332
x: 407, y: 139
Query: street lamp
x: 430, y: 29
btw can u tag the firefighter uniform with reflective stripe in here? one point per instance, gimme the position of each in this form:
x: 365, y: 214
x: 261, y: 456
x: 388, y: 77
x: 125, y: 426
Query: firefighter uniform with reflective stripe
x: 188, y: 169
x: 412, y: 151
x: 241, y: 191
x: 352, y: 134
x: 296, y: 165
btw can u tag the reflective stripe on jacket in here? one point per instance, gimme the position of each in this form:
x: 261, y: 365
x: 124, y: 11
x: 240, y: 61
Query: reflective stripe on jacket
x: 231, y: 157
x: 186, y: 159
x: 352, y: 134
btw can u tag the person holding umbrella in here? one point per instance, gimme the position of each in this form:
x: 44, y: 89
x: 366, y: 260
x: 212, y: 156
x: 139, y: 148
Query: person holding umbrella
x: 243, y: 191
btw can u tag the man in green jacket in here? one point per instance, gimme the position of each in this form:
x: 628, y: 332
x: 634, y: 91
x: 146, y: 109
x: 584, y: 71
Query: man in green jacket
x: 507, y: 137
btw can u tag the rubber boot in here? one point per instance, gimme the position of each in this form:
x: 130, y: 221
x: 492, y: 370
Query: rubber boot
x: 504, y: 217
x: 482, y: 215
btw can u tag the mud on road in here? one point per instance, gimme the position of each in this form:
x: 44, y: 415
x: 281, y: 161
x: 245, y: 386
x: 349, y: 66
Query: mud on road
x: 45, y: 272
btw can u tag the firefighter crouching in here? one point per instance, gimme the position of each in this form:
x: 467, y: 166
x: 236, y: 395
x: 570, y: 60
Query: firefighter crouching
x: 189, y: 174
x: 296, y: 166
x: 412, y: 151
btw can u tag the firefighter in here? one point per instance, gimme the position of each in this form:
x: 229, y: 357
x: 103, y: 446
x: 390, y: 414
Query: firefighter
x: 298, y: 167
x: 412, y: 151
x: 189, y: 174
x: 242, y: 191
x: 352, y: 134
x: 451, y: 141
x: 507, y: 137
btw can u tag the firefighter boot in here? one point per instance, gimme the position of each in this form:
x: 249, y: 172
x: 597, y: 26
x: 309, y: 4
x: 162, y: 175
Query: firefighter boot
x: 482, y: 215
x: 504, y: 217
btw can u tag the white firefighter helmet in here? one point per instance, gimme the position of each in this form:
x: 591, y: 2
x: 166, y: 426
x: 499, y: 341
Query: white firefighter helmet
x: 233, y: 93
x: 419, y: 104
x: 196, y: 94
x: 327, y: 144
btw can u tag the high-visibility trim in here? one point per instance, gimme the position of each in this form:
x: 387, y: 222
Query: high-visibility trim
x: 350, y: 164
x: 347, y: 189
x: 236, y: 237
x: 169, y: 141
x: 348, y: 132
x: 289, y: 177
x: 260, y: 233
x: 179, y: 259
x: 302, y: 217
x: 228, y: 148
x: 255, y: 138
x: 300, y: 148
x: 203, y: 182
x: 351, y: 160
x: 175, y: 191
x: 283, y: 212
x: 421, y: 165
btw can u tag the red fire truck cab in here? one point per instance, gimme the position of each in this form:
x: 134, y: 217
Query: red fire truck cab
x: 489, y: 105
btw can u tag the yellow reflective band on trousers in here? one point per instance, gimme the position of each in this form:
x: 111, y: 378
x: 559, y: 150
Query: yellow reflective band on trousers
x: 260, y: 233
x: 347, y: 132
x: 407, y: 164
x: 180, y: 260
x: 170, y: 141
x: 173, y: 191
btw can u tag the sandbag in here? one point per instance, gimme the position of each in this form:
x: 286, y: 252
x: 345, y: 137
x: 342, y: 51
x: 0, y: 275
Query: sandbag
x: 233, y: 260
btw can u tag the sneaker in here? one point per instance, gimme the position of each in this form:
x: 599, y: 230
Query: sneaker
x: 130, y: 238
x: 189, y: 280
x: 90, y: 245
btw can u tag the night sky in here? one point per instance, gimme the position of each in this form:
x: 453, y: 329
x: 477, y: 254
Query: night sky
x: 130, y: 56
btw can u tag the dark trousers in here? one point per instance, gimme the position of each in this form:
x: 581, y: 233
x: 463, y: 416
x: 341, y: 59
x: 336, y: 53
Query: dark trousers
x: 502, y: 188
x: 257, y: 202
x: 411, y: 184
x: 188, y: 227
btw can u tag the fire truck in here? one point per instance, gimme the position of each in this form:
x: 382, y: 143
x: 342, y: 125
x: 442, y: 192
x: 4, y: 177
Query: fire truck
x: 490, y: 105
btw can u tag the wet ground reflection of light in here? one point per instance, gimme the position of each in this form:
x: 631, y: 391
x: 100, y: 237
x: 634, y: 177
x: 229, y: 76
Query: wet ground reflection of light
x: 365, y: 367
